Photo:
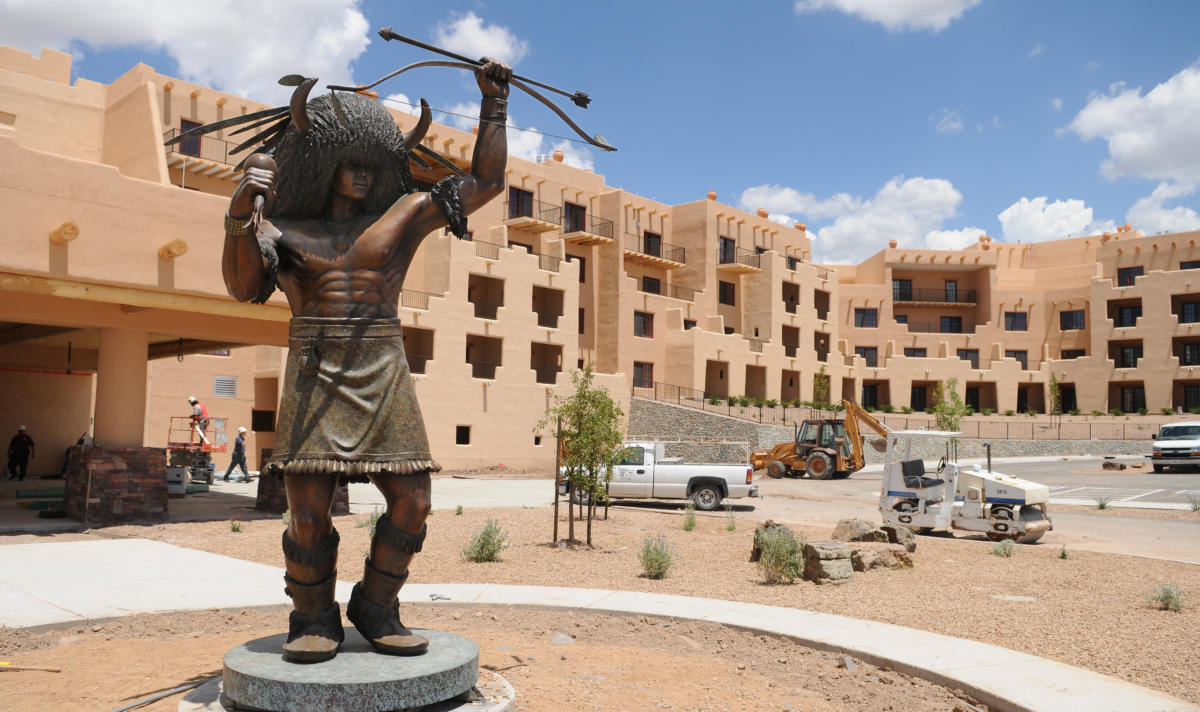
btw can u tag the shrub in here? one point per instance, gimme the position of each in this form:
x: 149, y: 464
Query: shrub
x: 458, y: 510
x: 1195, y: 503
x: 1167, y: 598
x: 1115, y: 411
x: 1194, y: 409
x: 689, y: 516
x: 1031, y: 412
x: 370, y: 522
x: 731, y: 400
x: 714, y: 400
x: 656, y: 557
x: 1145, y: 411
x: 887, y: 408
x: 486, y: 544
x: 730, y: 521
x: 782, y: 558
x: 929, y: 411
x: 770, y: 403
x: 1010, y: 411
x: 235, y: 523
x: 287, y: 517
x: 1062, y: 553
x: 1073, y: 411
x: 1167, y: 411
x: 906, y: 410
x: 1102, y: 502
x: 1097, y: 412
x: 1004, y: 548
x: 988, y: 411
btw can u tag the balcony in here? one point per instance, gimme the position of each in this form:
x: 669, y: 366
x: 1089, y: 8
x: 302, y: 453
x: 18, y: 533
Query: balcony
x: 674, y: 291
x: 934, y: 297
x: 738, y: 260
x: 965, y: 326
x: 203, y: 155
x: 532, y: 215
x: 413, y: 299
x: 653, y: 252
x: 590, y: 230
x: 756, y: 345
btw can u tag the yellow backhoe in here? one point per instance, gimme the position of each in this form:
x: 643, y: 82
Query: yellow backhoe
x: 825, y: 448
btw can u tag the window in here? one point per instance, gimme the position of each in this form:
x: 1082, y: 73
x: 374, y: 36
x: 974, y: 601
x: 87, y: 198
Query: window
x: 1191, y: 397
x: 951, y: 325
x: 225, y: 386
x: 917, y: 398
x: 537, y: 440
x: 870, y: 396
x: 759, y: 250
x: 631, y: 456
x: 689, y: 324
x: 971, y: 355
x: 902, y: 290
x: 582, y: 320
x: 901, y: 318
x: 1128, y: 357
x: 1016, y: 321
x: 643, y: 375
x: 914, y: 352
x: 652, y: 244
x: 582, y: 266
x: 574, y: 217
x: 1133, y: 398
x: 727, y: 251
x: 866, y: 317
x: 793, y: 262
x: 726, y: 293
x: 643, y: 324
x: 462, y: 435
x: 1189, y: 312
x: 729, y: 330
x: 1126, y: 275
x: 1190, y: 355
x: 1022, y: 358
x: 951, y: 291
x: 1128, y: 316
x: 1190, y: 264
x: 1070, y: 320
x: 651, y: 285
x: 869, y: 354
x: 1073, y: 353
x: 262, y: 421
x: 520, y: 203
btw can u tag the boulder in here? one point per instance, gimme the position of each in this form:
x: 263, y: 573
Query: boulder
x: 827, y: 562
x: 858, y: 530
x: 903, y: 536
x: 867, y: 555
x: 755, y: 549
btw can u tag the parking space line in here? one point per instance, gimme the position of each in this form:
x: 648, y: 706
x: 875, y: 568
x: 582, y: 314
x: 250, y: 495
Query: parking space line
x: 1144, y: 494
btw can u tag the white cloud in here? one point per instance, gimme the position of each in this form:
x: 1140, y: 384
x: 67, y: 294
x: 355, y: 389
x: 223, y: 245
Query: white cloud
x: 239, y: 47
x: 1056, y: 103
x: 1037, y: 49
x: 468, y: 35
x: 523, y: 142
x: 950, y: 122
x: 895, y: 15
x: 1150, y: 216
x: 1155, y: 135
x: 1038, y: 220
x: 401, y: 102
x: 1092, y: 65
x: 911, y: 211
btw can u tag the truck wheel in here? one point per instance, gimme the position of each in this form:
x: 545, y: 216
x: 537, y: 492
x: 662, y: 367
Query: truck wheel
x: 706, y: 497
x: 578, y: 496
x: 1159, y: 468
x: 819, y: 466
x: 777, y: 469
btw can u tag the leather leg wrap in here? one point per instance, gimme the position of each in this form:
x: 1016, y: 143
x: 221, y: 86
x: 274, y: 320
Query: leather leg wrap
x: 315, y: 625
x: 317, y: 555
x: 380, y: 624
x: 388, y: 534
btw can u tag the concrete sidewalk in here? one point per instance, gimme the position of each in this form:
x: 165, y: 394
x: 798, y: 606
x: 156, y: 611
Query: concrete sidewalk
x: 43, y: 583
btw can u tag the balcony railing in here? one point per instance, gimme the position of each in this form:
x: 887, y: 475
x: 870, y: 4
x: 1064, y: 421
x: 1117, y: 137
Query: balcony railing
x: 486, y: 310
x: 940, y: 296
x: 205, y: 147
x: 673, y: 291
x: 487, y: 250
x: 535, y: 209
x: 547, y: 319
x: 484, y: 369
x: 590, y: 224
x: 547, y: 374
x: 935, y: 327
x: 414, y: 299
x: 550, y: 263
x: 655, y: 248
x: 738, y: 256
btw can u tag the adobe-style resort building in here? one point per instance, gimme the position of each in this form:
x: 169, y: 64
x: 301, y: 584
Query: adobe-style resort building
x: 113, y: 309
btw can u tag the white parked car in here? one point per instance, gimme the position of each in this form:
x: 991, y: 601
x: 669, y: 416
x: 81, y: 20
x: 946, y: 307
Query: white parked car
x: 1176, y: 445
x: 643, y: 472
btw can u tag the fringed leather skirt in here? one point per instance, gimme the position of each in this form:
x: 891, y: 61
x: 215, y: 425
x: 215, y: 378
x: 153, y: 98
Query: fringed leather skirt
x: 349, y: 408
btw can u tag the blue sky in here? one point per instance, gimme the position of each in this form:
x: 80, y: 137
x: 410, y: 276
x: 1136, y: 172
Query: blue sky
x: 925, y: 121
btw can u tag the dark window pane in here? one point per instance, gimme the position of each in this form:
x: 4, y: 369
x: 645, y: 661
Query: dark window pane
x: 1070, y: 320
x: 726, y: 293
x: 643, y: 324
x: 1015, y: 321
x: 951, y: 325
x: 902, y: 290
x: 912, y: 352
x: 1126, y: 275
x: 866, y: 317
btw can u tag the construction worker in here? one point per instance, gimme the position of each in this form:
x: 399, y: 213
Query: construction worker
x: 199, y: 417
x: 239, y: 455
x: 20, y: 449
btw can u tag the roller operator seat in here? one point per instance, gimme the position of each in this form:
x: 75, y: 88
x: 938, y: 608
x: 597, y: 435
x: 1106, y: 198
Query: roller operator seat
x: 914, y: 475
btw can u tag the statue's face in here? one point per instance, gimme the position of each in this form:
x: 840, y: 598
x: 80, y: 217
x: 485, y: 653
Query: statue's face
x: 353, y: 180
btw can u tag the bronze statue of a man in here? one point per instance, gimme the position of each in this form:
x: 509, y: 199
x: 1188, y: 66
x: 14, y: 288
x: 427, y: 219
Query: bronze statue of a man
x: 342, y: 225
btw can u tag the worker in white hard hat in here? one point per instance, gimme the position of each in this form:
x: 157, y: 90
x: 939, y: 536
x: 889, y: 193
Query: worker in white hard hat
x: 20, y: 449
x: 239, y: 456
x: 199, y: 418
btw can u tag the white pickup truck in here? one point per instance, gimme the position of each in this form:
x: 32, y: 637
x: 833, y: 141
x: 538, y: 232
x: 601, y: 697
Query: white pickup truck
x: 1176, y: 445
x: 641, y: 471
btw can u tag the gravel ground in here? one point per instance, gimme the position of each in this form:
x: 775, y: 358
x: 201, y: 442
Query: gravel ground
x: 1090, y: 609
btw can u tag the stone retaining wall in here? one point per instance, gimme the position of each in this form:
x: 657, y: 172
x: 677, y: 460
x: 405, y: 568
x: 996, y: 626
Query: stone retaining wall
x: 656, y: 420
x: 113, y: 485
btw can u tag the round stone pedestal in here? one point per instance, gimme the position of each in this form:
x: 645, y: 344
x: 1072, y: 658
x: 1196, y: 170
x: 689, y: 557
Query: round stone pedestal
x: 256, y: 677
